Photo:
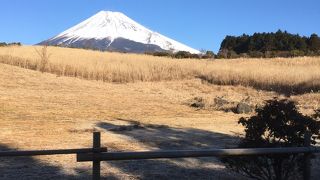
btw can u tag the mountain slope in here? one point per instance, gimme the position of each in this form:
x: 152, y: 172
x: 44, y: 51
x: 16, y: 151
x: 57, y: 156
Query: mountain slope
x: 115, y: 31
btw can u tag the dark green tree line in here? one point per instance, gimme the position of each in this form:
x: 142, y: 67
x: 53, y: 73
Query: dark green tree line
x: 278, y: 44
x: 10, y: 44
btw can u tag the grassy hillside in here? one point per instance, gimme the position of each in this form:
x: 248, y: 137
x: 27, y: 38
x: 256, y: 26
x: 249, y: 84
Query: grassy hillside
x: 43, y: 111
x: 288, y: 76
x: 46, y: 111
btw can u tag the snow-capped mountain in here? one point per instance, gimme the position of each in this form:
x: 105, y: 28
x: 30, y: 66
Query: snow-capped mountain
x: 114, y: 31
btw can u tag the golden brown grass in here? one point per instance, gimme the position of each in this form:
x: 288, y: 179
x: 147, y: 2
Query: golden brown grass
x: 43, y: 111
x: 289, y: 76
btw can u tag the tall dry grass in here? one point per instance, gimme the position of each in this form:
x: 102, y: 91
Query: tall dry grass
x: 295, y: 75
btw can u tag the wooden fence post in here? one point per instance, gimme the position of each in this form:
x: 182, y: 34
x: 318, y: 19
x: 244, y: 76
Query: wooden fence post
x: 307, y: 157
x: 96, y: 149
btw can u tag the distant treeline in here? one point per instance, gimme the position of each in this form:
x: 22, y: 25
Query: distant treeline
x: 278, y: 44
x: 184, y: 54
x: 10, y: 44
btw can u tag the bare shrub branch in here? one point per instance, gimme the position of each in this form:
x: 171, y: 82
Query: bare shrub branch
x: 44, y: 58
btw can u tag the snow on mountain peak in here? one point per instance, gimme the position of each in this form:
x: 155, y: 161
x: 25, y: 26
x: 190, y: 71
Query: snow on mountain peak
x: 113, y: 25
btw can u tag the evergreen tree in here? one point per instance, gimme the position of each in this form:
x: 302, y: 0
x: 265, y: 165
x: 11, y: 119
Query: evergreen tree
x: 314, y: 43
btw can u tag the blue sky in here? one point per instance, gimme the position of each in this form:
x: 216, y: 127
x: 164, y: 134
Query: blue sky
x: 201, y: 24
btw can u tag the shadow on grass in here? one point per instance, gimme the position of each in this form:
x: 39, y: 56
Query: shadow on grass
x: 287, y: 90
x: 168, y: 138
x: 154, y: 136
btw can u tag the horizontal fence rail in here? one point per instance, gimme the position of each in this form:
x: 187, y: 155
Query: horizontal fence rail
x: 114, y: 156
x: 48, y: 152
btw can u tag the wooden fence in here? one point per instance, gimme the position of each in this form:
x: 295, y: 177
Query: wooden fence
x: 96, y: 154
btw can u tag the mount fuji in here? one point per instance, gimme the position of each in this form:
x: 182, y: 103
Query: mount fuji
x: 114, y: 31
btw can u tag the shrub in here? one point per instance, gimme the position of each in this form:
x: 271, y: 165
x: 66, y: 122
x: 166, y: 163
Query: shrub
x: 178, y: 55
x: 256, y: 54
x: 195, y: 56
x: 296, y: 53
x: 160, y: 54
x: 208, y: 55
x: 277, y: 124
x: 225, y: 53
x: 44, y: 58
x: 182, y: 54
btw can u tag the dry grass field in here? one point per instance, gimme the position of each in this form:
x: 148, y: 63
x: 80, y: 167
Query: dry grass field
x: 288, y: 76
x: 147, y: 108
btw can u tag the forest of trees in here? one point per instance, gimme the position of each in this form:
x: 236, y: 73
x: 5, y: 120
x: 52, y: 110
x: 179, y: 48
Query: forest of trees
x: 278, y: 44
x: 10, y: 44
